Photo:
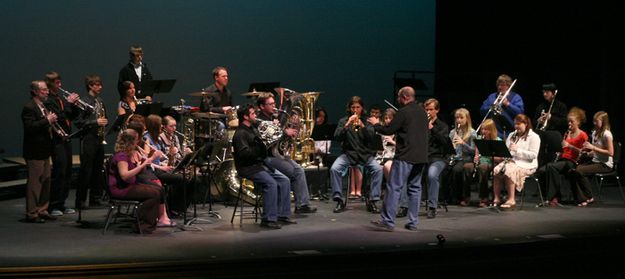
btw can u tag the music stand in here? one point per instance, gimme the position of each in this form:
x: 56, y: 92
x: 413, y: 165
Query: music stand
x: 492, y: 149
x: 151, y: 87
x: 118, y: 123
x: 147, y: 109
x: 325, y: 133
x: 186, y: 162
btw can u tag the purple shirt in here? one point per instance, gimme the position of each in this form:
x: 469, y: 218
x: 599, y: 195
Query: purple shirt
x: 118, y: 187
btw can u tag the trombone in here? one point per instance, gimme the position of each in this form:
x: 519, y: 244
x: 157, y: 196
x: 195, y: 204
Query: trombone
x: 496, y: 106
x: 79, y: 103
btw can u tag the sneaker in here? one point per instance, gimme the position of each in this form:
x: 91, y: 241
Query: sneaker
x: 431, y: 213
x: 410, y: 227
x: 68, y: 211
x: 56, y: 212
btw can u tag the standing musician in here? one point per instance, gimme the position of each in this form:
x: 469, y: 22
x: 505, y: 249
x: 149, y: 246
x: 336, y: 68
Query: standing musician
x: 37, y: 148
x: 93, y: 123
x: 66, y: 111
x: 572, y: 146
x: 135, y: 71
x: 523, y: 144
x: 551, y: 124
x: 355, y: 138
x: 410, y: 125
x: 509, y: 107
x: 249, y: 159
x: 286, y: 165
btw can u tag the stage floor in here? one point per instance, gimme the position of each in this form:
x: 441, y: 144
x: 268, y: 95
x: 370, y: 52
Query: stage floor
x: 323, y: 243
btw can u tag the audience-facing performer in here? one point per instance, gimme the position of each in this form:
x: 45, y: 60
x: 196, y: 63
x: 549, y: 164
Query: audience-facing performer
x: 37, y: 149
x: 284, y: 164
x: 523, y: 144
x: 174, y: 152
x: 411, y: 155
x: 356, y: 139
x: 123, y: 183
x: 437, y: 153
x: 322, y: 147
x: 572, y: 145
x: 550, y: 114
x: 551, y: 123
x: 462, y: 137
x: 92, y: 142
x: 602, y: 151
x: 66, y: 112
x: 385, y: 157
x: 485, y: 164
x: 221, y: 102
x: 249, y: 159
x: 135, y: 71
x: 127, y: 100
x: 509, y: 108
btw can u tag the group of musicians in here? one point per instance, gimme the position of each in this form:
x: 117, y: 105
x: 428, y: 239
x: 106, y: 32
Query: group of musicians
x: 148, y: 149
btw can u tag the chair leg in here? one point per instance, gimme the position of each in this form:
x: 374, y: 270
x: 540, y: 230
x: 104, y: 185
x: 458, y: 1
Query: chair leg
x: 108, y: 218
x: 236, y: 204
x: 136, y: 214
x: 618, y: 182
x: 600, y: 186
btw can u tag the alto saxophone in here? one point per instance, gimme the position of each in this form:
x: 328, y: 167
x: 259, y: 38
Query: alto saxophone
x: 100, y: 113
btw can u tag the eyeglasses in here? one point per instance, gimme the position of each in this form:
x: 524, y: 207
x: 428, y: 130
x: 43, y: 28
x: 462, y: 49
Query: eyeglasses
x: 270, y: 104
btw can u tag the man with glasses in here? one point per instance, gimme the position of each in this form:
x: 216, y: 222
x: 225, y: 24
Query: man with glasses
x: 285, y: 165
x: 249, y: 159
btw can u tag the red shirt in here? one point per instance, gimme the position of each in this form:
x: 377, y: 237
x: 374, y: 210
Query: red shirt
x: 571, y: 153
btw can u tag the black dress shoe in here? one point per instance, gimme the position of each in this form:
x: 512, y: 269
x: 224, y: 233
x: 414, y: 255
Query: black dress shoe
x: 270, y: 225
x: 286, y: 221
x: 402, y: 212
x: 37, y: 220
x: 305, y: 209
x: 431, y: 213
x: 340, y: 206
x: 383, y: 225
x: 371, y: 207
x: 47, y: 217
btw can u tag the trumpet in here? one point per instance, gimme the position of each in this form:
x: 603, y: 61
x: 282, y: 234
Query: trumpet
x: 56, y: 127
x: 542, y: 126
x: 79, y: 103
x: 356, y: 124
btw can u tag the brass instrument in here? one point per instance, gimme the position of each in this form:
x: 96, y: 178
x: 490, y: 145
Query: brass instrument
x: 356, y: 124
x: 542, y: 126
x: 79, y: 103
x: 56, y: 127
x: 100, y: 113
x: 496, y: 106
x: 305, y: 155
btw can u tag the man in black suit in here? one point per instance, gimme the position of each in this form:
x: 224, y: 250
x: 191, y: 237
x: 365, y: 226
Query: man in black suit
x: 135, y: 71
x: 37, y: 148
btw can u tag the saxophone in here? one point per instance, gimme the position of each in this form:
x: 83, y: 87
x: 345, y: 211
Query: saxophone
x: 100, y: 113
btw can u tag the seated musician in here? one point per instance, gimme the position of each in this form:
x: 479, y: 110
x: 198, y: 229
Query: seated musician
x: 601, y: 150
x: 485, y: 164
x: 355, y: 138
x: 127, y: 99
x: 174, y: 151
x: 249, y: 159
x: 322, y: 147
x: 284, y: 164
x: 523, y: 144
x: 572, y: 145
x: 123, y: 182
x: 221, y: 99
x: 462, y: 161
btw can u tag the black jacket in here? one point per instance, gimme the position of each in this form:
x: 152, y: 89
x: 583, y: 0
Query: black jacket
x: 249, y: 151
x: 128, y: 73
x: 439, y: 143
x: 37, y: 142
x: 410, y: 126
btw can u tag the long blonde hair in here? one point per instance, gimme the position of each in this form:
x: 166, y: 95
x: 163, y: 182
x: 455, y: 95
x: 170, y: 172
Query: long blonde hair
x: 466, y: 135
x: 489, y: 125
x: 605, y: 123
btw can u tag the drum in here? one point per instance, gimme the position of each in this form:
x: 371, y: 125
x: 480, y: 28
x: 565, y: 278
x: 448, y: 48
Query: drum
x: 206, y: 127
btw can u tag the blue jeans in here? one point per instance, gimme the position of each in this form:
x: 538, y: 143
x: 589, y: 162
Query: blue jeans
x: 276, y: 194
x: 296, y: 175
x: 434, y: 170
x: 339, y: 169
x: 403, y: 173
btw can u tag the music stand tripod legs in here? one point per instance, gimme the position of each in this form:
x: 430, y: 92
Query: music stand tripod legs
x: 209, y: 177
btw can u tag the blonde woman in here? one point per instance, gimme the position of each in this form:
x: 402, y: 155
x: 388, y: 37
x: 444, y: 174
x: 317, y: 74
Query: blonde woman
x: 485, y: 165
x: 602, y: 151
x: 462, y: 137
x: 524, y: 145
